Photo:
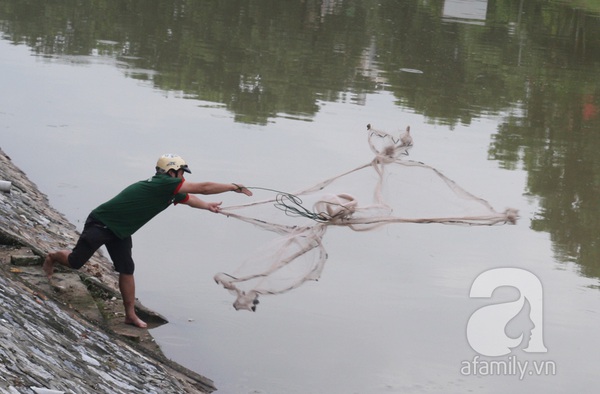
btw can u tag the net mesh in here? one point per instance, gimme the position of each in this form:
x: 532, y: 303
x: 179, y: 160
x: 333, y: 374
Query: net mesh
x: 388, y: 189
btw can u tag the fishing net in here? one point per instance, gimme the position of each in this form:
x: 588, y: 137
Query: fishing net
x: 389, y: 189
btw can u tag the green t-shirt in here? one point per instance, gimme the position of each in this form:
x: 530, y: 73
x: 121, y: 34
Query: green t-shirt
x: 129, y: 210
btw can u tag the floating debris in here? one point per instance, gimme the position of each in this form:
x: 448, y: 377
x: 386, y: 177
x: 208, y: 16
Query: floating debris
x: 411, y: 70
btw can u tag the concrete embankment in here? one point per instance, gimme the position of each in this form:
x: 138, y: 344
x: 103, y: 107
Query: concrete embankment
x: 67, y: 335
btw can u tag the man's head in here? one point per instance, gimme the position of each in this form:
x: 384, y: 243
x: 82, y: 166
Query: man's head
x: 171, y: 164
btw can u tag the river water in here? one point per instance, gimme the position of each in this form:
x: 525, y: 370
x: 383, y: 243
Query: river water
x: 502, y: 97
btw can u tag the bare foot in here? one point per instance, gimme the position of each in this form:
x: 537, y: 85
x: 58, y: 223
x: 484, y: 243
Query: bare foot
x: 135, y: 321
x: 48, y: 266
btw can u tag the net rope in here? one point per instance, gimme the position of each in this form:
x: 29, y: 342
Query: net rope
x: 297, y: 254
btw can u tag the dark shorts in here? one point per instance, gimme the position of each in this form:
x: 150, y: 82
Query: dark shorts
x: 94, y: 235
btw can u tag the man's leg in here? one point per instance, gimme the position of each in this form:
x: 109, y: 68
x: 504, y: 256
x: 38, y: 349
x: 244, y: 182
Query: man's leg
x: 61, y: 257
x: 92, y: 237
x: 120, y: 253
x: 127, y: 287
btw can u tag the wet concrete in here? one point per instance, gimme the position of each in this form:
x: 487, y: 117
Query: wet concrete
x: 68, y: 334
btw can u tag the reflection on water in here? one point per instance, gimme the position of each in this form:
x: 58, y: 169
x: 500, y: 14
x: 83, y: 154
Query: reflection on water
x: 529, y: 66
x: 451, y: 61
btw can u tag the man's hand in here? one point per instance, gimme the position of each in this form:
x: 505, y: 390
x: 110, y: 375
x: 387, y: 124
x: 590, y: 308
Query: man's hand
x: 214, y: 206
x: 241, y: 189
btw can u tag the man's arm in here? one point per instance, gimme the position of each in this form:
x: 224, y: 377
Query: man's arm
x: 195, y: 202
x: 212, y: 188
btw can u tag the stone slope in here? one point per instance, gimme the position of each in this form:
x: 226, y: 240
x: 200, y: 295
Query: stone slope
x: 67, y: 335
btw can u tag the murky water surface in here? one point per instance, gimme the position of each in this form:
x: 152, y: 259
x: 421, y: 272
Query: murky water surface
x: 502, y: 96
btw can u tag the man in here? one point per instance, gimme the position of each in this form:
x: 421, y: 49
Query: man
x: 112, y: 223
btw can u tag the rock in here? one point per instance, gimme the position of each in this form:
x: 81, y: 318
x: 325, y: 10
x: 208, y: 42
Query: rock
x: 25, y: 257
